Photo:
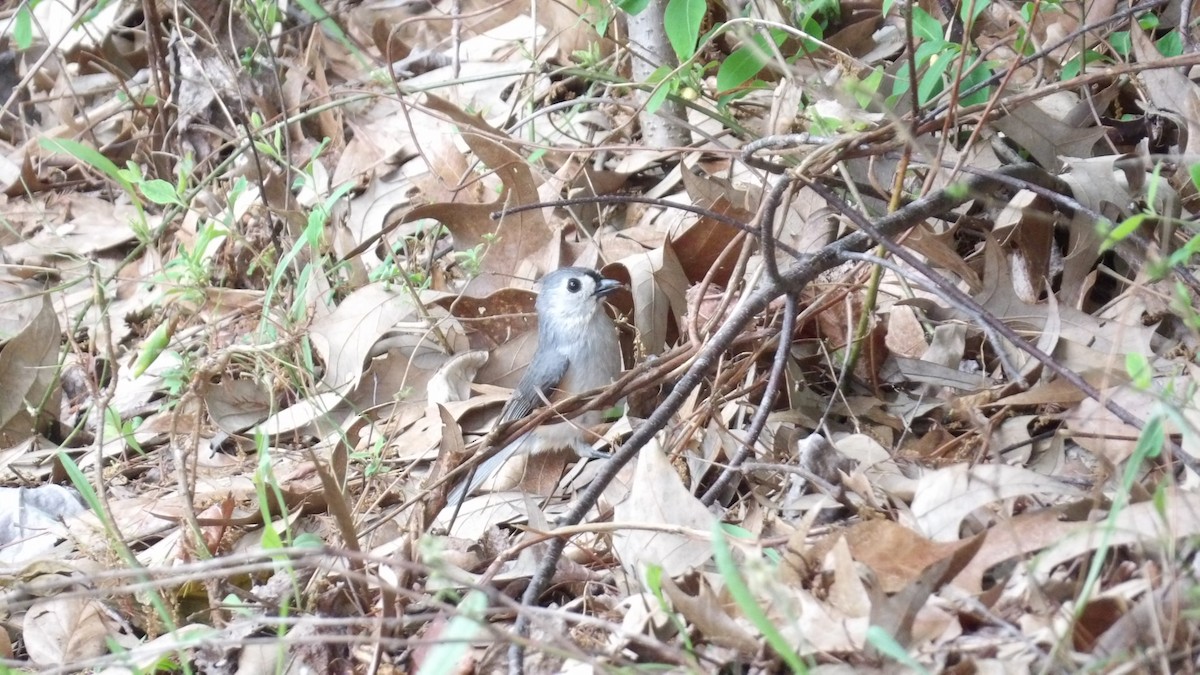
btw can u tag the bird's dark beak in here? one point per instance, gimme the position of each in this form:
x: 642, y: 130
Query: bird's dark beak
x: 607, y: 287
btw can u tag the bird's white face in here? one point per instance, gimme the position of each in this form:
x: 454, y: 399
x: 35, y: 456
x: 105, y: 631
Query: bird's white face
x: 570, y: 298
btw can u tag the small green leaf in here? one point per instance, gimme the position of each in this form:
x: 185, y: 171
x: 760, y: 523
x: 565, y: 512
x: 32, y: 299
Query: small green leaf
x: 931, y: 81
x: 970, y: 10
x: 22, y: 31
x: 633, y: 6
x: 974, y: 75
x: 88, y: 155
x: 1171, y: 44
x: 957, y: 190
x: 925, y: 27
x: 447, y: 653
x: 660, y: 93
x: 160, y: 192
x: 1150, y: 441
x: 1071, y: 69
x: 1117, y: 234
x: 682, y: 20
x: 814, y: 30
x: 308, y: 540
x: 745, y: 62
x: 925, y: 52
x: 153, y: 347
x: 654, y: 575
x: 657, y: 99
x: 901, y: 86
x: 1121, y: 42
x: 1139, y: 369
x: 1075, y: 65
x: 864, y: 90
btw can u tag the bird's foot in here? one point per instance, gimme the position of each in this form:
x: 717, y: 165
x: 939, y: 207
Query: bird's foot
x: 588, y: 452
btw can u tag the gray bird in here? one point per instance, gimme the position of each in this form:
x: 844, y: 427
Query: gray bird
x: 577, y: 351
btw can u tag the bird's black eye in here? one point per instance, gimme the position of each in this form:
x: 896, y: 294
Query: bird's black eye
x: 573, y: 285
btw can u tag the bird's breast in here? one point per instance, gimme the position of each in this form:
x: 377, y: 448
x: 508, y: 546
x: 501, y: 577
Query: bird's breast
x: 594, y: 355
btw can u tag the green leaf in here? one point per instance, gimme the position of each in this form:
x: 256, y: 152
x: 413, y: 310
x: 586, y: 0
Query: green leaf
x: 327, y: 22
x: 657, y: 99
x: 931, y: 81
x: 745, y: 62
x: 970, y: 10
x: 814, y: 30
x: 1150, y: 442
x: 88, y: 155
x: 1124, y: 229
x: 957, y: 190
x: 1121, y: 42
x: 153, y: 346
x: 1171, y: 44
x: 864, y: 90
x: 925, y: 27
x: 633, y: 6
x: 660, y: 94
x: 1138, y: 367
x: 1075, y: 65
x: 973, y: 76
x: 22, y: 31
x: 926, y: 52
x: 901, y: 86
x: 160, y: 192
x: 308, y: 540
x: 682, y: 20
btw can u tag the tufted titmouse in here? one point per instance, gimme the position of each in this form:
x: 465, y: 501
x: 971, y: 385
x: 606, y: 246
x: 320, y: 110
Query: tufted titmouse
x: 577, y: 351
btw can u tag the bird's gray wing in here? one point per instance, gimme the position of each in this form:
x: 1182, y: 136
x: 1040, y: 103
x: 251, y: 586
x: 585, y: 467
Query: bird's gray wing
x: 542, y: 375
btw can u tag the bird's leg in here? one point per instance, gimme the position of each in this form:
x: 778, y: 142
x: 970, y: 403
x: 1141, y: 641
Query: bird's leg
x: 586, y: 451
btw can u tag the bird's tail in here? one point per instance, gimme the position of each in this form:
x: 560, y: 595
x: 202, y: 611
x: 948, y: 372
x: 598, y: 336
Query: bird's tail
x: 483, y: 472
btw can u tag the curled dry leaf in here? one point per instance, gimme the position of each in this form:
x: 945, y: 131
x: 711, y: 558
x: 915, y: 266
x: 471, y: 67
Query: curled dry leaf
x: 905, y: 336
x: 29, y: 328
x: 63, y: 631
x: 452, y: 382
x: 658, y: 285
x: 236, y: 404
x: 346, y: 337
x: 520, y: 242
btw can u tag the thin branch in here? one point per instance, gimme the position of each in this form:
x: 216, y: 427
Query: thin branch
x: 778, y: 367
